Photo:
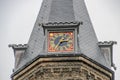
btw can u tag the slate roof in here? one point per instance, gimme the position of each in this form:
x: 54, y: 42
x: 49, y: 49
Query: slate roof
x: 63, y: 11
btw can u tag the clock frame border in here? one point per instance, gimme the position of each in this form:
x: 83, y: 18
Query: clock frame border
x: 62, y: 27
x: 61, y: 31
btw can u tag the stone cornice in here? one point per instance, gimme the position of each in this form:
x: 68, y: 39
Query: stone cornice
x: 61, y: 24
x: 19, y: 46
x: 107, y: 43
x: 68, y: 58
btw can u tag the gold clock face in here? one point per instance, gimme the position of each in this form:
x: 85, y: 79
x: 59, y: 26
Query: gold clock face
x: 61, y: 41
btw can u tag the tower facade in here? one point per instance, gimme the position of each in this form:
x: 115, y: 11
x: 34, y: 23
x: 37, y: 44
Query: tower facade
x: 63, y: 46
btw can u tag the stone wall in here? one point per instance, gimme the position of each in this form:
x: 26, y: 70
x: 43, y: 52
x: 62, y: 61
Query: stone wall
x: 63, y: 71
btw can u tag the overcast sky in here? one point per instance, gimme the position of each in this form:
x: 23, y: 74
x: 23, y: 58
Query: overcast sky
x: 17, y: 18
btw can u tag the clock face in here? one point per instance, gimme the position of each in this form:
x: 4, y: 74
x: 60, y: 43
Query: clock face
x: 61, y: 41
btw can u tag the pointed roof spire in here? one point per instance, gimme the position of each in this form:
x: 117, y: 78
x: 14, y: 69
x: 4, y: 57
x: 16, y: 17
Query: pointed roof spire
x: 63, y: 11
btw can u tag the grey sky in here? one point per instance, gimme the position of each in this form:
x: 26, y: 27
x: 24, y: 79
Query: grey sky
x: 17, y: 18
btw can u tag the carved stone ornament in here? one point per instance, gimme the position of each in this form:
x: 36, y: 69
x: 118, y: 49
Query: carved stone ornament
x: 63, y: 71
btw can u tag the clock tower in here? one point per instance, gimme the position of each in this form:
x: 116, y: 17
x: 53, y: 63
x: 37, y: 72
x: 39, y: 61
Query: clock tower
x: 63, y: 46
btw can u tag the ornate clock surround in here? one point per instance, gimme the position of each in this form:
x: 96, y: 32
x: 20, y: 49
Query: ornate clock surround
x: 63, y: 28
x: 60, y: 41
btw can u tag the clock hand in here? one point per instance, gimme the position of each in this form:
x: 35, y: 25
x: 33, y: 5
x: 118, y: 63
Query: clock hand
x: 64, y: 40
x: 59, y: 43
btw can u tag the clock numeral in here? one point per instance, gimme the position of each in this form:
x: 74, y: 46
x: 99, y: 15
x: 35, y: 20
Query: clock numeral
x: 61, y: 48
x: 52, y: 39
x: 58, y: 49
x: 50, y: 48
x: 64, y: 48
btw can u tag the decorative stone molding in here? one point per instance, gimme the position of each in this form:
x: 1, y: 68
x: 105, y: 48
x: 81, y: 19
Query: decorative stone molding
x: 19, y: 46
x: 56, y: 69
x: 64, y: 71
x: 61, y: 24
x: 107, y: 43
